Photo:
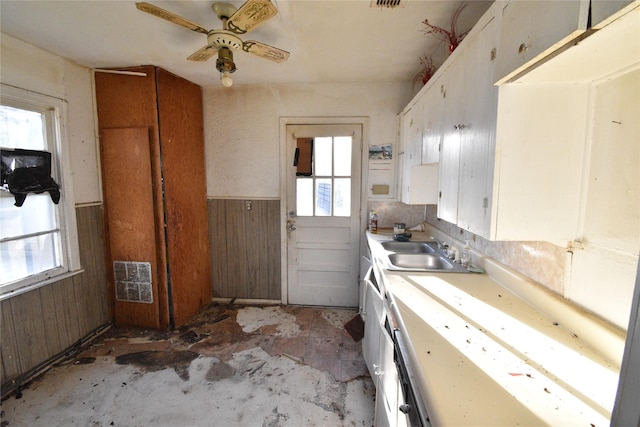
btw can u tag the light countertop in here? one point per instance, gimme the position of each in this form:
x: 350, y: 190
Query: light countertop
x: 484, y: 356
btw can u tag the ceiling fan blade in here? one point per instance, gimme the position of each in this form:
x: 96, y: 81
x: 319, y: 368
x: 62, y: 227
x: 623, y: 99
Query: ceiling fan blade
x: 203, y: 54
x: 171, y: 17
x: 265, y: 51
x: 250, y: 15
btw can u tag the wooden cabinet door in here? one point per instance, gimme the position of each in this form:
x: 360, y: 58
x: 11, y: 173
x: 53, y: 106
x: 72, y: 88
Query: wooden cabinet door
x: 185, y: 194
x: 128, y: 200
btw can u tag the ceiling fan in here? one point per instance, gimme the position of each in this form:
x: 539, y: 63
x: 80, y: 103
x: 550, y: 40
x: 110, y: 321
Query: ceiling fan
x: 224, y: 41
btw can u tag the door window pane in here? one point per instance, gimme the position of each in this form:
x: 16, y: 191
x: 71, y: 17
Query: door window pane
x: 322, y: 194
x: 304, y: 196
x: 342, y: 156
x: 323, y: 197
x: 342, y: 197
x: 323, y: 156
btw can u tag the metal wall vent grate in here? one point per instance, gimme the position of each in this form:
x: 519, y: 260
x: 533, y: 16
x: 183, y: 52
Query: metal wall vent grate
x: 387, y: 3
x: 133, y: 281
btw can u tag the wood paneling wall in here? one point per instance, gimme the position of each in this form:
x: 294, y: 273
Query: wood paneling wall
x: 40, y: 324
x: 245, y: 248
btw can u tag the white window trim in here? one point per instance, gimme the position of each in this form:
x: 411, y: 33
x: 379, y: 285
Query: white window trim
x: 55, y: 110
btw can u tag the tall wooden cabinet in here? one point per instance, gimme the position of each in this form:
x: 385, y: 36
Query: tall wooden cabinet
x: 153, y: 175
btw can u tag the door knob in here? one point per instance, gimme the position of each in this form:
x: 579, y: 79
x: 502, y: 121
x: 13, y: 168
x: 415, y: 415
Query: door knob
x: 291, y: 225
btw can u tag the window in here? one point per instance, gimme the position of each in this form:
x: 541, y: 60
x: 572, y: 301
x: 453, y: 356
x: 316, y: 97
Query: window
x: 38, y: 240
x: 327, y: 192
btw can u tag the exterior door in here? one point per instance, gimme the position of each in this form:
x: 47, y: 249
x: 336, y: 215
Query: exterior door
x: 323, y: 214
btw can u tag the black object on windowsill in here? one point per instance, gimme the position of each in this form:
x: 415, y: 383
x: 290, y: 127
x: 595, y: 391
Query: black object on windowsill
x: 27, y: 171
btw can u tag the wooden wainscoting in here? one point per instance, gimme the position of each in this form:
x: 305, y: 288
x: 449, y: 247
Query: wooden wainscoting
x: 245, y: 248
x: 40, y: 324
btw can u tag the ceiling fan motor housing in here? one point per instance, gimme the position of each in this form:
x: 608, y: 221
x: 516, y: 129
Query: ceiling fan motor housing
x: 224, y: 38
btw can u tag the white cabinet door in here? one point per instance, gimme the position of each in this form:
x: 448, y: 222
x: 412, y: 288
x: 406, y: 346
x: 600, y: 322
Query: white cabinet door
x: 387, y: 392
x: 411, y: 145
x: 366, y: 270
x: 453, y: 121
x: 539, y: 171
x: 478, y: 134
x: 372, y: 329
x: 468, y: 141
x: 604, y: 11
x: 433, y: 112
x: 531, y: 30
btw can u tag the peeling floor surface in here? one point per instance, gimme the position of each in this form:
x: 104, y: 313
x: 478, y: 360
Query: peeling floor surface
x: 230, y: 366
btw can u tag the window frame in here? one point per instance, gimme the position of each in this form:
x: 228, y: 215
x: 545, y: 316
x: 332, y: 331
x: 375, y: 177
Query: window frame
x: 55, y: 115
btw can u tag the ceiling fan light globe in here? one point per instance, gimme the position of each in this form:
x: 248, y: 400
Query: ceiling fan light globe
x: 225, y: 79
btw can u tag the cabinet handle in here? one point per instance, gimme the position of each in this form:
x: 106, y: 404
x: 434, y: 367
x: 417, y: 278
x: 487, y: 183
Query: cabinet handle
x: 523, y: 48
x: 405, y: 408
x: 376, y: 371
x: 458, y: 127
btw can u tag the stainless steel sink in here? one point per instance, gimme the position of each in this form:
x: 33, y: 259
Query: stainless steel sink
x: 409, y: 247
x: 405, y: 261
x: 420, y: 261
x: 418, y: 256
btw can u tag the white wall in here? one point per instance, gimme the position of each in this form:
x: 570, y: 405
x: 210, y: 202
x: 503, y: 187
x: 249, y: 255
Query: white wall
x: 27, y: 67
x: 242, y: 140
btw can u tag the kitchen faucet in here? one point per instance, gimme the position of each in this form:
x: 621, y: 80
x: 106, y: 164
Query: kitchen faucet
x: 441, y: 245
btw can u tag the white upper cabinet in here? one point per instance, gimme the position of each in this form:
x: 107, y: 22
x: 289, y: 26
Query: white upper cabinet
x: 411, y: 148
x: 433, y: 113
x: 532, y: 30
x: 548, y: 122
x: 453, y: 122
x: 604, y: 11
x: 512, y: 157
x: 539, y: 170
x: 478, y: 133
x: 468, y: 130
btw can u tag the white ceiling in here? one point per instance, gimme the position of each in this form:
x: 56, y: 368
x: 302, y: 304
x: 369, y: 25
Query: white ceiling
x: 330, y: 41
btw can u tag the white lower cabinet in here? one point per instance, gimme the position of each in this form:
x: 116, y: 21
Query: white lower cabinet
x: 388, y: 393
x: 377, y: 349
x: 374, y: 312
x: 365, y: 272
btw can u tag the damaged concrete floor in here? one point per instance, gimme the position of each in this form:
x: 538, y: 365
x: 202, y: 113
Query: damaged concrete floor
x: 230, y: 366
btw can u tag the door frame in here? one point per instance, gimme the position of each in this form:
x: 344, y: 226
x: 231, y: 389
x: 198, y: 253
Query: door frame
x: 363, y: 121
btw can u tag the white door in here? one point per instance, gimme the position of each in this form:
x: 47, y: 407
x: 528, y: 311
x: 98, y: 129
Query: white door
x: 323, y: 214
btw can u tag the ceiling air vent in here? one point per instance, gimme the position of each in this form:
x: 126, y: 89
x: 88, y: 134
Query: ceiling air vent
x: 387, y: 3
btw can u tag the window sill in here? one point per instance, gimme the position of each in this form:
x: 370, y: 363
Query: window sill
x: 34, y: 286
